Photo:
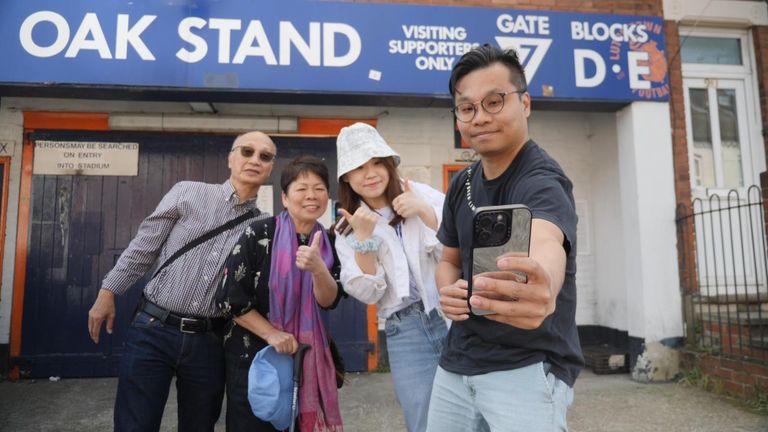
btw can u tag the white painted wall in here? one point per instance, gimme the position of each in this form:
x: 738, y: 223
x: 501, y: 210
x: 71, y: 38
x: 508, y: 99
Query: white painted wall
x: 608, y: 222
x: 648, y: 208
x: 423, y: 137
x: 11, y: 131
x: 567, y: 137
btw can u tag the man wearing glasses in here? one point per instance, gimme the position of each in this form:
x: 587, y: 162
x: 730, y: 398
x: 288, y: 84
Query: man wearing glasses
x: 177, y: 328
x: 512, y: 370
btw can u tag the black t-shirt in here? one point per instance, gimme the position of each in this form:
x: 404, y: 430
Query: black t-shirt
x: 479, y: 345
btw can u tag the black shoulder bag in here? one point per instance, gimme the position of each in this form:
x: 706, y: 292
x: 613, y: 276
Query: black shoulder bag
x: 338, y: 362
x: 207, y: 236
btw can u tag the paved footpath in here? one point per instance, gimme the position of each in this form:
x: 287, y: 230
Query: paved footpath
x: 604, y: 403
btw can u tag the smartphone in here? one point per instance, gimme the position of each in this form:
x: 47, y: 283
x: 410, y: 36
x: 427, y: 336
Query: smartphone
x: 497, y: 230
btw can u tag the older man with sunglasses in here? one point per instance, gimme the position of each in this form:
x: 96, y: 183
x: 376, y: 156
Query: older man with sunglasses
x: 176, y: 330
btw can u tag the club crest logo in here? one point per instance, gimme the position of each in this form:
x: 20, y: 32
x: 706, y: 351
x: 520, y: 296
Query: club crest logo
x: 649, y: 57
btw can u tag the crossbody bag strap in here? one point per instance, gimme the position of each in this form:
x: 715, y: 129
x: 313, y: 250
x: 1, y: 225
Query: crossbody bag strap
x: 207, y: 236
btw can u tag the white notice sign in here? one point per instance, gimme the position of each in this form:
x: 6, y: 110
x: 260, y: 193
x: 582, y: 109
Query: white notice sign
x: 265, y: 199
x: 86, y: 158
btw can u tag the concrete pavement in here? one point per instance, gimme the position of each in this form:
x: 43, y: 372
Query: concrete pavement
x: 603, y: 403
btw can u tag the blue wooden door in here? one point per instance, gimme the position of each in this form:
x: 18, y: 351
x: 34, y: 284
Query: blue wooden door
x: 79, y: 226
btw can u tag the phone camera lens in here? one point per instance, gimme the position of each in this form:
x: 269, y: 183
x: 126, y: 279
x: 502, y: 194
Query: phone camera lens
x: 492, y: 229
x: 485, y: 223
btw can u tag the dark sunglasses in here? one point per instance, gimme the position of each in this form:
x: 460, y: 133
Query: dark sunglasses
x: 248, y: 152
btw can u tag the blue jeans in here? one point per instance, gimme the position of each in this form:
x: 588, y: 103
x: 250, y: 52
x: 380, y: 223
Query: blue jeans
x: 518, y: 400
x: 154, y: 353
x: 414, y: 342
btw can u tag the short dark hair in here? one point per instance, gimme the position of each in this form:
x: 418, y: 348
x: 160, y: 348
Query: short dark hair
x: 485, y: 56
x: 303, y: 164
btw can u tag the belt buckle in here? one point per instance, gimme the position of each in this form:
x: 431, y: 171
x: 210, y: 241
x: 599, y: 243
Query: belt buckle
x: 185, y: 321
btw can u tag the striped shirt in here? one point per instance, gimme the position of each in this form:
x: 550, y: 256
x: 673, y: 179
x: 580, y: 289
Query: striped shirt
x: 186, y: 286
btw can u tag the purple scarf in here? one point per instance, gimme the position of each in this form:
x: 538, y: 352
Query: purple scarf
x: 293, y: 309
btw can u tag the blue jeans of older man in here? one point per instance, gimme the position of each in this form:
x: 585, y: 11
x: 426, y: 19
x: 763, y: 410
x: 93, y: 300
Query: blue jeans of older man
x: 154, y: 354
x: 519, y: 400
x: 414, y: 342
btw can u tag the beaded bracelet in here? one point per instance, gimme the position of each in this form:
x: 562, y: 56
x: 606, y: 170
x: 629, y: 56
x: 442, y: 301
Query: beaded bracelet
x: 368, y: 245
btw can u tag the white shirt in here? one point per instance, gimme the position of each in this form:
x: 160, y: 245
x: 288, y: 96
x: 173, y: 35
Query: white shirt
x: 419, y: 251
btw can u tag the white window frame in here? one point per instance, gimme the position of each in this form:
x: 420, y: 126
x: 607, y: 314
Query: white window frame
x: 753, y: 154
x: 712, y: 86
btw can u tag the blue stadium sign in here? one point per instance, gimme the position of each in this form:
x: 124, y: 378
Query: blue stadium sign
x: 323, y: 46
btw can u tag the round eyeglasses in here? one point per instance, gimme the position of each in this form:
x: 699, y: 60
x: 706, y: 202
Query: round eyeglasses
x: 492, y: 104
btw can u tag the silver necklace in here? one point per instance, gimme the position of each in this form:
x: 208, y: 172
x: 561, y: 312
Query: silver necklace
x: 468, y: 187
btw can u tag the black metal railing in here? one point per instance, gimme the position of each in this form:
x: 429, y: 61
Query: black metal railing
x: 722, y: 248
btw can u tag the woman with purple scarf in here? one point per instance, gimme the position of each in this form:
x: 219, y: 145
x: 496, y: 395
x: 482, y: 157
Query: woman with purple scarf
x: 278, y: 276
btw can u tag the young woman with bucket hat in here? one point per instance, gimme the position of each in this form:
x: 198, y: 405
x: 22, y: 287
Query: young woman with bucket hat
x: 388, y: 251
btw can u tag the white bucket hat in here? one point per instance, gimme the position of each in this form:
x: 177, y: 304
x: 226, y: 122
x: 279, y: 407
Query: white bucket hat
x: 359, y: 143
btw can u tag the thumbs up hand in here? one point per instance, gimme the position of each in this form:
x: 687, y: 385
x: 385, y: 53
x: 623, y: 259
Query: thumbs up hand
x: 408, y: 204
x: 308, y: 257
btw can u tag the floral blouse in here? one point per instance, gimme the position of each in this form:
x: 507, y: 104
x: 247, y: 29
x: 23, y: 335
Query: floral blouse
x: 245, y: 285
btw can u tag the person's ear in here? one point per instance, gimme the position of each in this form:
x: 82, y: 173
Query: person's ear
x: 526, y: 103
x: 284, y: 198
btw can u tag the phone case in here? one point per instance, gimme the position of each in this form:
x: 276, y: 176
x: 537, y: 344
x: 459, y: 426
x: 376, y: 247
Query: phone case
x: 497, y: 230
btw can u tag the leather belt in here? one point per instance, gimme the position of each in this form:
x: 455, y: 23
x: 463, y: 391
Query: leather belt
x: 185, y: 324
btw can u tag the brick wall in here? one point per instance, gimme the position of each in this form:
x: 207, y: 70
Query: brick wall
x: 685, y: 245
x: 732, y: 336
x: 738, y: 378
x: 622, y: 7
x: 760, y: 38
